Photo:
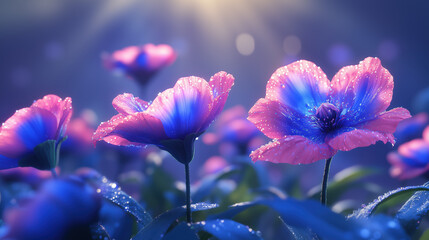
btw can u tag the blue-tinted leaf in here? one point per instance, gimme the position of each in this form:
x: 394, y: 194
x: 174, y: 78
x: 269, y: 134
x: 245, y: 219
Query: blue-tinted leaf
x: 302, y: 217
x: 157, y: 228
x: 380, y: 227
x: 306, y: 214
x: 99, y: 232
x: 370, y: 208
x: 210, y: 182
x: 181, y: 232
x: 300, y: 234
x: 412, y: 212
x: 113, y: 193
x: 118, y: 223
x: 227, y: 230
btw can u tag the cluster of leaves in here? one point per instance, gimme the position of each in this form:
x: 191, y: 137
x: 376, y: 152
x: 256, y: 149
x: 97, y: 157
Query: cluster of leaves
x: 241, y: 209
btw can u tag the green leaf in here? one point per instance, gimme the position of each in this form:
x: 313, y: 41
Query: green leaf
x: 243, y: 192
x: 159, y: 192
x: 342, y: 182
x: 425, y: 235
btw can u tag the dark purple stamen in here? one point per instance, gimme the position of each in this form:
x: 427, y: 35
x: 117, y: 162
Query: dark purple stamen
x: 327, y: 117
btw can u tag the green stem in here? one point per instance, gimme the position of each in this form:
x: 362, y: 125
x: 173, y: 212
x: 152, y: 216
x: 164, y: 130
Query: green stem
x: 324, y: 193
x: 188, y: 195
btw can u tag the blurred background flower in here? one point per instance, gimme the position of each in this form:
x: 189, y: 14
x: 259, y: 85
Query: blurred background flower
x: 234, y: 133
x: 140, y: 62
x: 61, y: 209
x: 411, y: 159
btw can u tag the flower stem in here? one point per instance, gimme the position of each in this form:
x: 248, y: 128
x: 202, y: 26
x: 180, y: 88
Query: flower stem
x: 54, y: 173
x: 188, y: 194
x: 324, y: 193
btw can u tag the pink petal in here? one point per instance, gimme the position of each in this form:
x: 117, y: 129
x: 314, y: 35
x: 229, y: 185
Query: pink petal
x: 426, y: 134
x: 159, y: 56
x: 220, y: 84
x: 62, y: 109
x: 292, y: 150
x: 276, y: 120
x: 363, y: 90
x: 184, y: 108
x: 300, y: 85
x: 128, y: 104
x: 136, y: 129
x: 127, y: 55
x: 105, y: 128
x: 359, y: 138
x: 387, y: 121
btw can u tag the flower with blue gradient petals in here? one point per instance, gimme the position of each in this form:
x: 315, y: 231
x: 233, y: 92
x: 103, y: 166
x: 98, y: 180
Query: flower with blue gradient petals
x: 33, y: 135
x: 173, y: 121
x: 311, y: 118
x: 62, y: 209
x: 140, y: 62
x: 411, y: 159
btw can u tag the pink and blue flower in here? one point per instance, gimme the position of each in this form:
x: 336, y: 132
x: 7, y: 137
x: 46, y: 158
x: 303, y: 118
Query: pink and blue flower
x: 173, y: 120
x: 33, y: 135
x: 232, y: 128
x: 140, y: 62
x: 311, y: 118
x: 411, y: 159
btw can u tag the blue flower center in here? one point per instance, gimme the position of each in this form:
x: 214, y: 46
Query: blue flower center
x: 327, y: 117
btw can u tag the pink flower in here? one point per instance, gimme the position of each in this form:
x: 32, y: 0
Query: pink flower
x: 173, y: 121
x: 310, y: 118
x: 232, y: 127
x: 79, y: 136
x: 140, y: 62
x: 32, y: 136
x: 411, y: 159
